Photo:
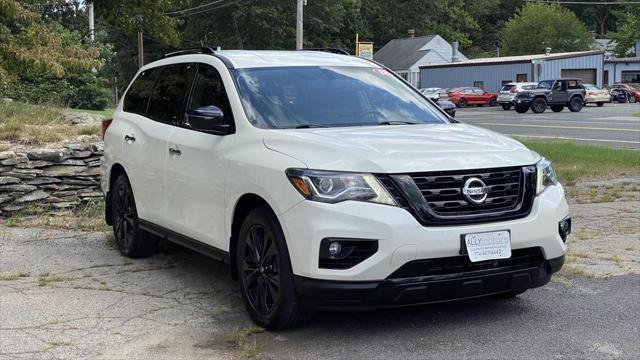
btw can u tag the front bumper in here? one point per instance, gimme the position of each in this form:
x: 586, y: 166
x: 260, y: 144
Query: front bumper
x: 341, y: 295
x: 524, y: 101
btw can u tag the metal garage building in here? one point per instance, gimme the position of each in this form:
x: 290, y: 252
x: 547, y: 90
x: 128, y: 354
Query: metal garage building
x: 626, y: 70
x: 491, y: 73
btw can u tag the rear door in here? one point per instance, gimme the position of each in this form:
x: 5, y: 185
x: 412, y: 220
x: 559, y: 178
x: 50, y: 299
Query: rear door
x: 196, y: 169
x: 145, y: 147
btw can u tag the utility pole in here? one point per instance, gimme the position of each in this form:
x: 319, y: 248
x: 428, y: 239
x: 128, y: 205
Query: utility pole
x: 92, y: 28
x: 140, y: 49
x: 299, y: 27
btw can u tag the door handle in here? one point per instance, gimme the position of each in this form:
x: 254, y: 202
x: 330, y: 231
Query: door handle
x: 175, y: 151
x: 129, y: 138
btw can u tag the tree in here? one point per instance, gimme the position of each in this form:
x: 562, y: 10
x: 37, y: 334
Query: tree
x: 30, y: 46
x: 490, y: 16
x: 538, y: 26
x: 628, y: 31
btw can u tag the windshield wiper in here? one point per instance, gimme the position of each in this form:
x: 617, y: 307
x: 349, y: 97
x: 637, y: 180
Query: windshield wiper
x: 308, y: 126
x: 397, y: 122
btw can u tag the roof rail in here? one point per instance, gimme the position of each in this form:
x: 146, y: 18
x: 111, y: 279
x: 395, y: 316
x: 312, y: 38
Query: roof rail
x: 330, y: 50
x: 200, y: 50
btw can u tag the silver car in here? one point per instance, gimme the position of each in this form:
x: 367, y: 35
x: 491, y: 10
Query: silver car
x: 508, y: 92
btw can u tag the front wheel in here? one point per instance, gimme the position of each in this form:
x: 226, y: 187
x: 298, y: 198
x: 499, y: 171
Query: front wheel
x: 575, y: 104
x: 506, y: 106
x: 632, y: 99
x: 539, y: 105
x: 462, y: 103
x: 265, y: 272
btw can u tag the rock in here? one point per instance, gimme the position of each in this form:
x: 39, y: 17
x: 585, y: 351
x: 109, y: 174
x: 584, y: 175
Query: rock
x: 25, y: 176
x: 72, y: 162
x: 49, y: 155
x: 33, y: 196
x: 17, y: 188
x: 33, y: 164
x: 5, y: 198
x: 64, y: 205
x: 5, y: 168
x: 7, y: 155
x: 80, y: 154
x: 84, y: 119
x: 71, y: 181
x: 12, y: 208
x: 77, y: 147
x: 6, y: 180
x: 64, y: 193
x: 15, y: 159
x: 92, y: 194
x: 93, y: 163
x: 44, y: 180
x: 64, y: 170
x: 27, y: 171
x: 97, y: 148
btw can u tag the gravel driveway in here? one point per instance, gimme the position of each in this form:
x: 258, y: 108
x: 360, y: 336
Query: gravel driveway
x: 66, y: 294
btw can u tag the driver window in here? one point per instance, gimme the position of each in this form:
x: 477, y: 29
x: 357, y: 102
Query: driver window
x: 558, y: 85
x: 209, y: 91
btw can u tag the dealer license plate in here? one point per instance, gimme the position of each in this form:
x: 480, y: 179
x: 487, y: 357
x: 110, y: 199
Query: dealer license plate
x: 488, y: 245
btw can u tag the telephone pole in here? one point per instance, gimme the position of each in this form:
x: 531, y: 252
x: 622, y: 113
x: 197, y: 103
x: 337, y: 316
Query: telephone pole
x: 92, y: 28
x: 140, y: 49
x: 299, y: 27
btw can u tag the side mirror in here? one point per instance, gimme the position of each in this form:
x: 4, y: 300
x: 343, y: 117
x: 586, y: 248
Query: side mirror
x: 208, y: 119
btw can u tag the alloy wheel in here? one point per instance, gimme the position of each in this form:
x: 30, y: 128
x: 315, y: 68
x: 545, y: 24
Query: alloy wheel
x: 259, y: 270
x: 124, y: 216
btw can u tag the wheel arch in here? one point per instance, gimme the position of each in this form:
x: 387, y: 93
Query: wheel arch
x: 115, y: 171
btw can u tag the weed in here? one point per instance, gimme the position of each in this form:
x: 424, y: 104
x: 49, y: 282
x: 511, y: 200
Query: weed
x: 14, y: 276
x: 45, y: 280
x: 240, y: 337
x: 576, y: 271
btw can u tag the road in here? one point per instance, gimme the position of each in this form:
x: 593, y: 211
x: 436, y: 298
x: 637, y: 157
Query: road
x: 610, y: 125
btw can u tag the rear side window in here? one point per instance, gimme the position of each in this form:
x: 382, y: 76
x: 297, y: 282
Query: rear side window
x: 167, y: 101
x: 135, y: 101
x: 209, y: 91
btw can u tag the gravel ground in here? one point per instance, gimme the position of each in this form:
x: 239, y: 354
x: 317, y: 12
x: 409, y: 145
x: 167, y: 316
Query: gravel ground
x: 67, y: 294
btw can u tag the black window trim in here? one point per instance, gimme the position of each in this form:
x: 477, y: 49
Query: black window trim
x: 187, y: 93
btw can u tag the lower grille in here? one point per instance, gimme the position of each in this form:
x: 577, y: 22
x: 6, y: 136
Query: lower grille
x: 462, y: 264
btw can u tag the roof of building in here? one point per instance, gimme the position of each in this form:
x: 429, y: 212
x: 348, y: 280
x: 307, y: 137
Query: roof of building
x: 401, y: 54
x: 277, y: 58
x: 516, y: 59
x: 623, y: 60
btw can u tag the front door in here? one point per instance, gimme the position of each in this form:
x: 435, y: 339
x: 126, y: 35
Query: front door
x: 560, y: 93
x: 196, y: 169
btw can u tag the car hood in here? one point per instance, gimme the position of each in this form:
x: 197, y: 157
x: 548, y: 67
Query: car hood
x: 400, y: 148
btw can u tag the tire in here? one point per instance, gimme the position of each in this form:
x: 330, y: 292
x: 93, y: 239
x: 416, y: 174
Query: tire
x: 575, y: 104
x: 539, y: 105
x: 521, y: 109
x: 506, y: 106
x: 632, y: 99
x: 557, y: 108
x: 462, y: 103
x: 493, y: 102
x: 265, y: 273
x: 132, y: 241
x: 599, y: 104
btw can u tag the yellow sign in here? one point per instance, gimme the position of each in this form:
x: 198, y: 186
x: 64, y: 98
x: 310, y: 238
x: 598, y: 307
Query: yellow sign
x: 365, y: 50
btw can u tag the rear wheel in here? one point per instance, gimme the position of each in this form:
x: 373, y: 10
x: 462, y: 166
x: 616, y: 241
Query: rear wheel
x: 575, y: 104
x: 539, y: 105
x: 132, y: 241
x: 462, y: 103
x: 521, y: 109
x: 265, y: 272
x: 557, y: 108
x: 599, y: 103
x: 506, y: 106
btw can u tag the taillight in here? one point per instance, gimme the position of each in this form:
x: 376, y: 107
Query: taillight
x: 514, y: 90
x: 105, y: 126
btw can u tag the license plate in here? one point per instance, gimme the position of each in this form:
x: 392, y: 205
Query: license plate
x: 488, y: 245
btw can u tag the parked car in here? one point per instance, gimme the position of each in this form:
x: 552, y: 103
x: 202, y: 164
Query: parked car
x: 626, y: 92
x: 595, y: 95
x: 439, y: 96
x: 465, y: 96
x: 556, y: 93
x: 326, y: 182
x: 507, y: 94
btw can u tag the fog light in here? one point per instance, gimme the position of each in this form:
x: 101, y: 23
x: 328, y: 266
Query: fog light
x: 335, y: 248
x: 564, y: 228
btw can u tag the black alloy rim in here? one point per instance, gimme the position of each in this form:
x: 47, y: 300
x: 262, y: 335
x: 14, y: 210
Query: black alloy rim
x: 540, y: 106
x: 260, y: 272
x: 124, y: 220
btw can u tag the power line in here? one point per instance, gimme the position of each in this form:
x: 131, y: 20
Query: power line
x: 193, y: 8
x: 210, y: 9
x: 585, y: 2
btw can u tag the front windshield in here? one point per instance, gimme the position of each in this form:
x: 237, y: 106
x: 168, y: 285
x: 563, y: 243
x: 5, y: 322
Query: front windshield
x: 290, y: 97
x: 547, y: 84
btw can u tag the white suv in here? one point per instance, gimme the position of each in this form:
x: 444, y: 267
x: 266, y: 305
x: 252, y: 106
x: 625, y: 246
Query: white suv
x: 325, y: 181
x: 508, y: 92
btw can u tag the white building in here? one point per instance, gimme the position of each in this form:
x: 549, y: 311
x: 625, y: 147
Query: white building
x: 405, y: 56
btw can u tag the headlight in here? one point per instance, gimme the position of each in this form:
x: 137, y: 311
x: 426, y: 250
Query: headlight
x: 546, y: 176
x: 334, y: 187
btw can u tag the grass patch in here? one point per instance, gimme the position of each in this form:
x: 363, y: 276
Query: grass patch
x: 37, y: 124
x: 87, y: 216
x: 46, y: 279
x: 575, y: 271
x: 574, y: 161
x: 59, y: 343
x: 13, y: 276
x: 240, y: 338
x: 636, y: 114
x: 106, y: 113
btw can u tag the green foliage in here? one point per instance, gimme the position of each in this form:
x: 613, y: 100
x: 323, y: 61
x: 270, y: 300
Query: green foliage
x: 628, y: 31
x: 537, y: 26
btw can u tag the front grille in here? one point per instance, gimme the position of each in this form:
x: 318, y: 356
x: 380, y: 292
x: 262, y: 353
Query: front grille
x: 444, y: 192
x: 436, y: 198
x: 462, y: 264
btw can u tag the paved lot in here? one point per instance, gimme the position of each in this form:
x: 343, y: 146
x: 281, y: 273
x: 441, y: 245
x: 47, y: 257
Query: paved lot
x: 611, y: 124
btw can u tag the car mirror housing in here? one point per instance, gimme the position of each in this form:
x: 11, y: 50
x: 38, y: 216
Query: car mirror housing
x: 209, y: 119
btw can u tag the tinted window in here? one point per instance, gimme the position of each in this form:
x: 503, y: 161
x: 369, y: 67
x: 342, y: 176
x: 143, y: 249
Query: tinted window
x: 135, y: 101
x: 287, y: 97
x: 209, y: 91
x: 167, y: 100
x: 545, y: 84
x: 507, y: 87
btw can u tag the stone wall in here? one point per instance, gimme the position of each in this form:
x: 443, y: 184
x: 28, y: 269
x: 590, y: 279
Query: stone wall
x: 49, y: 179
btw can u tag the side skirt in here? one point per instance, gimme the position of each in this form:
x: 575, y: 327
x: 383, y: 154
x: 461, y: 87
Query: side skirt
x: 190, y: 243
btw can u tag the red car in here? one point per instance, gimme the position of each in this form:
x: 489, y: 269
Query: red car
x: 465, y: 96
x: 628, y: 90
